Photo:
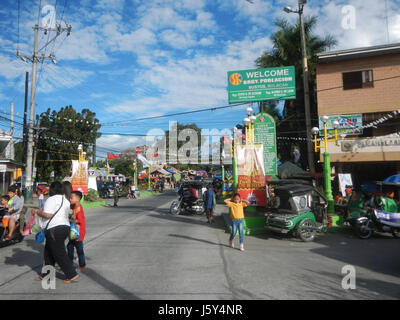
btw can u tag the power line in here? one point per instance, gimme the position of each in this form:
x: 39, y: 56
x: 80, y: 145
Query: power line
x: 177, y: 114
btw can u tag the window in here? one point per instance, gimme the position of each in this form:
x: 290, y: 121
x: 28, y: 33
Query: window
x: 358, y: 80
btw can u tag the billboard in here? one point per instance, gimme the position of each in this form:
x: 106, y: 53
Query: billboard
x: 349, y: 124
x: 261, y: 84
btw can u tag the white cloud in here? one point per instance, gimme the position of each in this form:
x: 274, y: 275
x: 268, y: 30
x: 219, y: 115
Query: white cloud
x: 119, y: 142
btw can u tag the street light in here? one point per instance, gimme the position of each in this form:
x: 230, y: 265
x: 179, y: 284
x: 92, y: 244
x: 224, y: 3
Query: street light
x: 327, y: 160
x: 288, y: 9
x: 249, y: 111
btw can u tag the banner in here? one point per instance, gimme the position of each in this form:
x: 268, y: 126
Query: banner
x: 251, y: 177
x: 349, y: 124
x: 80, y: 176
x: 145, y: 162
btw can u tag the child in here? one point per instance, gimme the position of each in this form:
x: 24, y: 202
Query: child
x: 236, y: 204
x: 15, y: 205
x: 79, y: 218
x: 40, y: 198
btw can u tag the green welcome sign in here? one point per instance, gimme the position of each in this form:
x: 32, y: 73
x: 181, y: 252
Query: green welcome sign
x: 265, y: 133
x: 262, y: 84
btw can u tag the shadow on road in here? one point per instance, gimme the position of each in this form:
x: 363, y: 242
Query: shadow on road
x: 378, y: 255
x: 164, y: 215
x: 365, y: 288
x: 115, y: 289
x: 195, y: 239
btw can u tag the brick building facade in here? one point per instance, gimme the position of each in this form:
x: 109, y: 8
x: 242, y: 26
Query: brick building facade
x: 363, y: 81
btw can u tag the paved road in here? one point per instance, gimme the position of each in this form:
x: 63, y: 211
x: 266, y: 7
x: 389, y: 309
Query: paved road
x: 139, y: 251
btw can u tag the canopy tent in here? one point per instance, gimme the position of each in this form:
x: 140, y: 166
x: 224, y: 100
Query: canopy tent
x: 288, y: 170
x: 145, y: 176
x: 394, y: 179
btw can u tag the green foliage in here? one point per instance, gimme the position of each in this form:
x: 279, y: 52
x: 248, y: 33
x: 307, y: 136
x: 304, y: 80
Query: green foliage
x: 92, y: 196
x: 69, y: 125
x: 124, y: 167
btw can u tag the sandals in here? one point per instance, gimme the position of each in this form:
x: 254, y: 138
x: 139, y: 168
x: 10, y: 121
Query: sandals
x: 68, y: 281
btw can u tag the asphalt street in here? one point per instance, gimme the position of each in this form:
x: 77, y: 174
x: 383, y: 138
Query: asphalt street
x: 139, y: 251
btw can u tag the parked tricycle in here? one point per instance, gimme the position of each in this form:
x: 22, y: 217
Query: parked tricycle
x: 297, y: 208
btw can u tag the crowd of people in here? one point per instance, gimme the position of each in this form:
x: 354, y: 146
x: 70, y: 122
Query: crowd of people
x: 54, y: 216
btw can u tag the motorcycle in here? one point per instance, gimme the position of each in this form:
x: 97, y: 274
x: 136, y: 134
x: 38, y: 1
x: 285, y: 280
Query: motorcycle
x: 184, y: 204
x: 19, y: 228
x: 377, y: 220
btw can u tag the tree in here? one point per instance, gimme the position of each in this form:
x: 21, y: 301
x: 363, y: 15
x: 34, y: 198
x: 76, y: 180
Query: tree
x: 64, y: 131
x: 286, y: 51
x: 270, y: 107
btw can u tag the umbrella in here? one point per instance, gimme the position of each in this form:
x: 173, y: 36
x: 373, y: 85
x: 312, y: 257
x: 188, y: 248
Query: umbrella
x: 395, y: 179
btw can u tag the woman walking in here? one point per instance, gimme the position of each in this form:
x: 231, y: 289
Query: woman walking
x: 56, y: 216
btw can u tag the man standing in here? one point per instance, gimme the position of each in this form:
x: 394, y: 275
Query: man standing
x: 209, y: 203
x: 116, y: 195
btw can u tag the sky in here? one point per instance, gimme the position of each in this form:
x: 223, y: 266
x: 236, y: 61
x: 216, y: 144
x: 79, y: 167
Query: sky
x: 129, y: 59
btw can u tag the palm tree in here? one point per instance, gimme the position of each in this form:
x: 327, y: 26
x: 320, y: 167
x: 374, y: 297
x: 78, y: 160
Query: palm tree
x: 286, y: 51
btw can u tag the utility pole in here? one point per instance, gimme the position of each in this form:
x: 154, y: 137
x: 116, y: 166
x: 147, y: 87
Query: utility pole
x: 94, y: 154
x: 35, y: 58
x: 12, y: 153
x: 24, y: 135
x: 310, y: 150
x: 35, y: 145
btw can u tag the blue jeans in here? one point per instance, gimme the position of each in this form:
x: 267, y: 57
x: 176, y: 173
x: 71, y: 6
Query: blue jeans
x: 41, y: 204
x: 237, y: 224
x: 72, y: 244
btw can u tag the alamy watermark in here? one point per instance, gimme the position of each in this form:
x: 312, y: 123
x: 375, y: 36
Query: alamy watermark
x: 349, y: 280
x: 49, y: 280
x: 189, y: 146
x: 349, y: 20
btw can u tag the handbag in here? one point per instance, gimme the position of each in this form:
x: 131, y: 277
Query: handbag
x: 40, y: 236
x: 74, y: 231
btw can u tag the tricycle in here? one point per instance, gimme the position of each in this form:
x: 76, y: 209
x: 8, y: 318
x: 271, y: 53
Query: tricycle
x: 297, y: 208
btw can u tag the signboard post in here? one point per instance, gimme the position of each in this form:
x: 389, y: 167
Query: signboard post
x: 262, y: 84
x: 265, y: 133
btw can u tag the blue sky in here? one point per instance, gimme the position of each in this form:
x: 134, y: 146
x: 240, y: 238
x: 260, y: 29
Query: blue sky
x: 128, y: 59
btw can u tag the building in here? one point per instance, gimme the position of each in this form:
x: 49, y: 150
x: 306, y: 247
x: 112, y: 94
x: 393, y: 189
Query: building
x: 362, y: 87
x: 7, y: 163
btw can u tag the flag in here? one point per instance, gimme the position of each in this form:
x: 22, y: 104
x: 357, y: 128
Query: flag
x: 111, y: 156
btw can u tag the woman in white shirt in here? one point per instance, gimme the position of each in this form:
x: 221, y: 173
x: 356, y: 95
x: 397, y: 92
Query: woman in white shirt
x: 57, y: 208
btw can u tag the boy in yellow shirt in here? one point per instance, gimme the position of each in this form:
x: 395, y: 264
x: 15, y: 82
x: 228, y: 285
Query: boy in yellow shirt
x: 236, y: 204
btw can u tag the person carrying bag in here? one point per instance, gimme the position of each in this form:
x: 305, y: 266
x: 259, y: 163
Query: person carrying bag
x: 57, y: 230
x: 40, y: 236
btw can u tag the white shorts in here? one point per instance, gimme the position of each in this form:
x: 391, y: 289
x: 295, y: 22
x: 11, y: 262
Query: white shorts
x: 15, y: 217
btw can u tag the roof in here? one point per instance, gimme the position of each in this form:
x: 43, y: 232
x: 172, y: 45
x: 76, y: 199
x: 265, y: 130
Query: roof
x: 357, y: 53
x: 293, y: 189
